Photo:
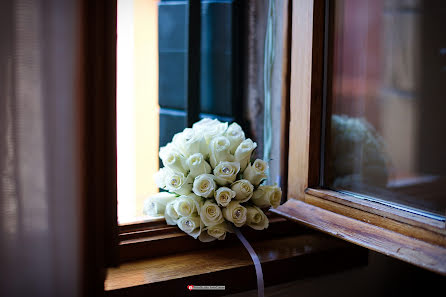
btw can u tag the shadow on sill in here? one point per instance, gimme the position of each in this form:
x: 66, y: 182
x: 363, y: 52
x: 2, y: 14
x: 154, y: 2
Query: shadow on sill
x: 383, y: 276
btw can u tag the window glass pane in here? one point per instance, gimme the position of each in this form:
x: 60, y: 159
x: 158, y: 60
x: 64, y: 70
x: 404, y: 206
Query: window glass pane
x: 388, y: 102
x: 152, y: 81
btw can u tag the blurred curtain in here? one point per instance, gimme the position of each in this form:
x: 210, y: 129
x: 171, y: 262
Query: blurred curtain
x: 40, y: 247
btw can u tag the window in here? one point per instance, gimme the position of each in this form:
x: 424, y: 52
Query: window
x: 200, y: 73
x: 167, y: 80
x: 322, y: 87
x: 351, y: 62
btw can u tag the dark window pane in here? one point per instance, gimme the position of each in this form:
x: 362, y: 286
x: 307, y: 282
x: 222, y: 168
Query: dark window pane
x: 172, y: 44
x: 216, y: 57
x: 172, y: 79
x: 171, y: 122
x: 172, y: 26
x: 216, y: 83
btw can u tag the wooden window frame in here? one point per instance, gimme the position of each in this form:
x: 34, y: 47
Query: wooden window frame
x: 310, y: 45
x: 399, y: 234
x: 395, y: 232
x: 104, y: 243
x: 154, y: 238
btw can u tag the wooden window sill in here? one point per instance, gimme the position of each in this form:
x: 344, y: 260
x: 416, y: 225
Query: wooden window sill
x: 409, y: 249
x: 156, y: 239
x: 283, y: 259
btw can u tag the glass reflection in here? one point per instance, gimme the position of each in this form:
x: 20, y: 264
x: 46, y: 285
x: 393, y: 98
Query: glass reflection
x: 388, y: 91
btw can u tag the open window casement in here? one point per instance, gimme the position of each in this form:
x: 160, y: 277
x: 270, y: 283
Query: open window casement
x: 363, y: 212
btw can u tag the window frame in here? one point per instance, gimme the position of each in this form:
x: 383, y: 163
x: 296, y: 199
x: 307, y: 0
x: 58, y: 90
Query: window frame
x: 154, y: 238
x: 304, y: 120
x: 101, y: 245
x: 341, y: 215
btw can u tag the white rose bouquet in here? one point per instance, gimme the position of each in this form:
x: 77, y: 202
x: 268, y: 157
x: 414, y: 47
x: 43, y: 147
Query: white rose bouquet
x: 213, y: 185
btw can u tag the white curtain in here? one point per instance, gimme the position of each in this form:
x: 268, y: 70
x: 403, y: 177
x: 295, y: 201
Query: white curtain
x: 39, y: 197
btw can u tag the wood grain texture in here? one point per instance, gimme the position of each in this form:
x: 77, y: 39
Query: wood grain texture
x: 296, y: 256
x: 380, y: 221
x: 140, y: 241
x: 300, y: 97
x: 408, y: 249
x: 306, y: 92
x: 411, y: 219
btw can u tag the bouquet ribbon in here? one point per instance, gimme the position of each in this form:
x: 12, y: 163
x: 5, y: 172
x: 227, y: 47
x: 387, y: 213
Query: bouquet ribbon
x: 255, y: 259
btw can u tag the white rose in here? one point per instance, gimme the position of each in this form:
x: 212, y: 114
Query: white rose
x: 170, y: 147
x: 188, y: 142
x: 204, y: 185
x: 243, y: 190
x: 219, y: 151
x: 255, y: 218
x: 159, y: 178
x: 187, y: 205
x: 190, y: 225
x: 209, y: 128
x: 235, y: 135
x: 170, y: 214
x: 223, y: 196
x: 256, y: 172
x: 215, y: 232
x: 211, y: 214
x: 235, y: 213
x: 226, y: 172
x: 243, y: 152
x: 266, y: 196
x: 197, y: 165
x: 219, y: 231
x: 172, y: 158
x: 155, y: 205
x: 176, y: 182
